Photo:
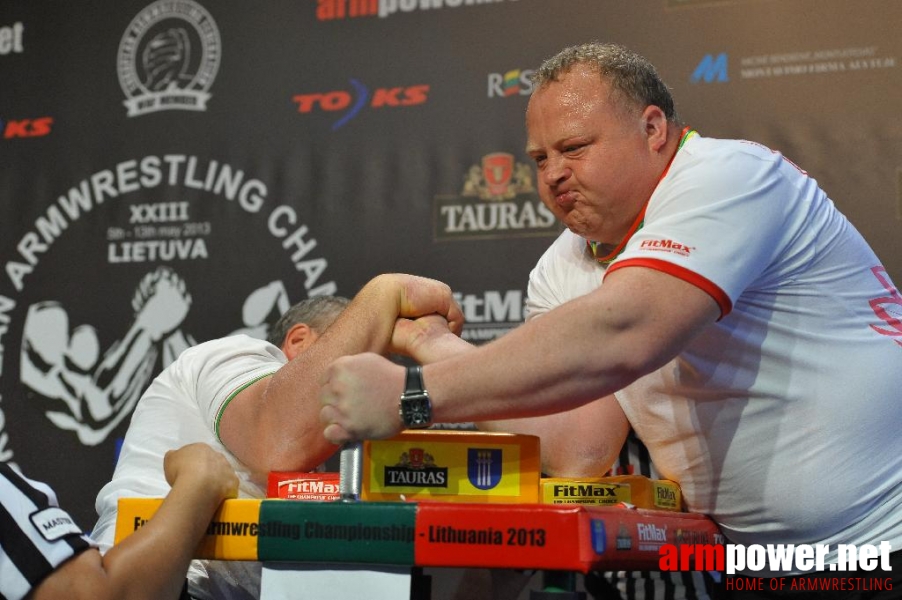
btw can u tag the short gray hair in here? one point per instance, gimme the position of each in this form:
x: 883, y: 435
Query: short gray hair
x: 627, y: 72
x: 318, y: 313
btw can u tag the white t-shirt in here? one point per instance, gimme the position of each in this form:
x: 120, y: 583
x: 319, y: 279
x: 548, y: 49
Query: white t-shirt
x: 567, y: 271
x: 781, y: 419
x: 181, y: 406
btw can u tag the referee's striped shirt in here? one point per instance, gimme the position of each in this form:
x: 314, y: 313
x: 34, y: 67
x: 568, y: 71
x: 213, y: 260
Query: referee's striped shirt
x: 36, y: 536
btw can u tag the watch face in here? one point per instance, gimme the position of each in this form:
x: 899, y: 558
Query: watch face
x: 416, y: 410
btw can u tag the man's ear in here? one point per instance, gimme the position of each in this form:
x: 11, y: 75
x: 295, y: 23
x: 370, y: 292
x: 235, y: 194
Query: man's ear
x: 656, y: 127
x: 299, y: 338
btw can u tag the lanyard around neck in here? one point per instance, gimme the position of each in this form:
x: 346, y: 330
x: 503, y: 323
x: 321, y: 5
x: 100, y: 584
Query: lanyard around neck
x: 608, y: 258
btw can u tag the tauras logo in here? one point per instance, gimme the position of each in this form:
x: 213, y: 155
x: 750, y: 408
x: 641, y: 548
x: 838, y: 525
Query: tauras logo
x: 497, y: 200
x: 416, y: 467
x: 426, y: 477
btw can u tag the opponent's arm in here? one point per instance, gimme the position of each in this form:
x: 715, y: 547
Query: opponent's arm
x: 580, y: 442
x: 274, y: 424
x: 151, y: 564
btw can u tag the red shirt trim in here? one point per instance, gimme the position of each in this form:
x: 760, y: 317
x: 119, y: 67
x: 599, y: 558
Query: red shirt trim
x: 705, y: 285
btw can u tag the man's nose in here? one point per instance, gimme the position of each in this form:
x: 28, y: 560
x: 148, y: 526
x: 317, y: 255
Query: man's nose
x: 556, y: 170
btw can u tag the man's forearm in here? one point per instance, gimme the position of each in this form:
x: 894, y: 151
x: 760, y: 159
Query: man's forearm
x: 162, y: 549
x: 582, y: 442
x: 276, y: 425
x: 289, y: 429
x: 589, y: 347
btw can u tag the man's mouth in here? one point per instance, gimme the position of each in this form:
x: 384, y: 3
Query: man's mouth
x: 565, y: 199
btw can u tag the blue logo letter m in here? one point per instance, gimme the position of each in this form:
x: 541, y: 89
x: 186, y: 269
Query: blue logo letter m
x: 711, y: 69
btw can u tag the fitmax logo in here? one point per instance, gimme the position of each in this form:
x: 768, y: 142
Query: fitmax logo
x: 711, y: 68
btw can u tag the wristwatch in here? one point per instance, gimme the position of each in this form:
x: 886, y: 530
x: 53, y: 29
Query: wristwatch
x: 415, y: 409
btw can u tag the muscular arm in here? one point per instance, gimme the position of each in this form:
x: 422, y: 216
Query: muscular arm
x: 581, y: 442
x: 591, y: 346
x: 274, y: 424
x: 427, y: 339
x: 587, y: 348
x: 151, y: 564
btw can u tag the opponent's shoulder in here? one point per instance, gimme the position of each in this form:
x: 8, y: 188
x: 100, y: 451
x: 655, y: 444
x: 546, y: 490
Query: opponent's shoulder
x: 236, y: 344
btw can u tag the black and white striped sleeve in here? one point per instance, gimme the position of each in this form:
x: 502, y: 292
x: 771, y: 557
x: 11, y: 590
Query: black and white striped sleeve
x: 36, y: 535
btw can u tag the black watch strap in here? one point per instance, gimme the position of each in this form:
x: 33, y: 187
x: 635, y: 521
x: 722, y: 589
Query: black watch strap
x: 415, y: 408
x: 413, y: 383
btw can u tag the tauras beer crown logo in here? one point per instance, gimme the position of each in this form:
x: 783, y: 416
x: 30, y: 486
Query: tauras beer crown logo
x: 498, y: 177
x: 498, y: 199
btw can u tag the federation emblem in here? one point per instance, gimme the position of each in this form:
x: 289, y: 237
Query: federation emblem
x: 169, y: 57
x: 484, y: 467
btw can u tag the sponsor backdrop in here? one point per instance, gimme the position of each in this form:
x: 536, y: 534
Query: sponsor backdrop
x: 177, y: 170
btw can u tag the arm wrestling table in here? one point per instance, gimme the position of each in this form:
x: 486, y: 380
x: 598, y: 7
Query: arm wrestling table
x: 388, y: 543
x: 350, y: 549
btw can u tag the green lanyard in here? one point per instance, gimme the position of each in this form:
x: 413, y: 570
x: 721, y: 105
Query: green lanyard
x: 610, y: 257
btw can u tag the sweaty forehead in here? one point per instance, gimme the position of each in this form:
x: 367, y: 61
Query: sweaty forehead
x: 561, y: 108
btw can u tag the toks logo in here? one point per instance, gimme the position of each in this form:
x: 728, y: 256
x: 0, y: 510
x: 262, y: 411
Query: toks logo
x: 350, y: 103
x: 26, y: 128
